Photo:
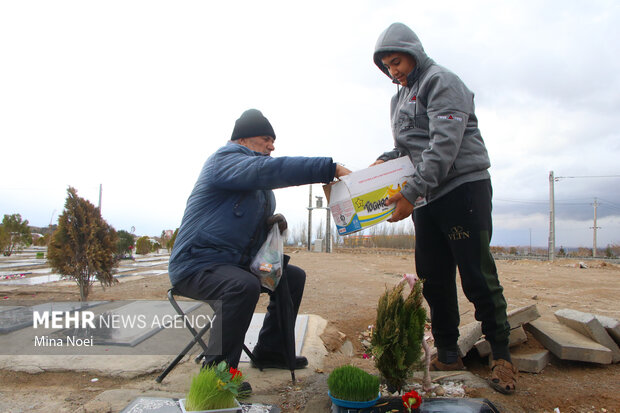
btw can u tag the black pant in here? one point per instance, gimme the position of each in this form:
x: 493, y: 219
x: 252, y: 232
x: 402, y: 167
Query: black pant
x: 455, y: 230
x: 237, y: 291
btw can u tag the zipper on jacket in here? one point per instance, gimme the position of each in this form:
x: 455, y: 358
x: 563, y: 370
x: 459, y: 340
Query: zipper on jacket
x: 245, y: 256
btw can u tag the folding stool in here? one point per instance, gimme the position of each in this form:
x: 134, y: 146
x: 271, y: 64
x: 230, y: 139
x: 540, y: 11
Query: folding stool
x: 197, y: 338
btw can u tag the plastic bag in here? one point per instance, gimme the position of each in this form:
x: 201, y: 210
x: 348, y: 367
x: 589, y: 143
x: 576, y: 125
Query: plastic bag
x: 267, y: 264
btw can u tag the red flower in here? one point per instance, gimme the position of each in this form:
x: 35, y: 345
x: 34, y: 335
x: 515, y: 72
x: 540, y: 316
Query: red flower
x: 412, y: 400
x: 235, y: 372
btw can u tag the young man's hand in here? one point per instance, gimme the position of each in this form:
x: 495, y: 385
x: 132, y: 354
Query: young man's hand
x: 403, y: 208
x: 377, y: 162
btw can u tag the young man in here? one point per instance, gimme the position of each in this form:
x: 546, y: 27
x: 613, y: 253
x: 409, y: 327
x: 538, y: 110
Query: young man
x: 227, y: 218
x: 433, y: 122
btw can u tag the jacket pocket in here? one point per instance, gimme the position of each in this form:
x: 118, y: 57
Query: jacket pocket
x: 238, y: 207
x: 421, y: 122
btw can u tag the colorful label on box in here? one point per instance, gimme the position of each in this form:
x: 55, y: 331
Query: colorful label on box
x: 364, y: 210
x: 358, y: 200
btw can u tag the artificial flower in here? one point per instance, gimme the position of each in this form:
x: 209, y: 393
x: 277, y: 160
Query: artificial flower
x: 412, y: 400
x: 235, y: 372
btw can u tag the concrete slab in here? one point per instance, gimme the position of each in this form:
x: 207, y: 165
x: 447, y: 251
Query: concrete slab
x: 251, y: 336
x: 130, y: 366
x: 522, y: 315
x: 21, y: 317
x: 9, y: 307
x: 567, y: 344
x: 469, y: 334
x: 153, y: 405
x: 138, y: 333
x: 611, y: 325
x: 517, y: 336
x: 467, y: 378
x: 530, y: 361
x: 131, y: 401
x: 588, y: 325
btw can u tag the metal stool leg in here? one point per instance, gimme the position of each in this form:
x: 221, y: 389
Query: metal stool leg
x: 197, y: 338
x: 183, y: 353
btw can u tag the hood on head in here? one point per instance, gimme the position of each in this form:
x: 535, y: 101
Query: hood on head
x: 399, y: 38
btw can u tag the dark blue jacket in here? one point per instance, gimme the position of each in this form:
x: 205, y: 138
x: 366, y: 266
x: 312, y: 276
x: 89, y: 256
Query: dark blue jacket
x: 225, y: 216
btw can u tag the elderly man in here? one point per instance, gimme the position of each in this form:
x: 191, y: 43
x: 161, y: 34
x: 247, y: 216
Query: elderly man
x: 226, y: 220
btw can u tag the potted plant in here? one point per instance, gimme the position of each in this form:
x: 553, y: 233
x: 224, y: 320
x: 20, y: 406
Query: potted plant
x: 352, y: 387
x: 398, y: 334
x: 214, y: 389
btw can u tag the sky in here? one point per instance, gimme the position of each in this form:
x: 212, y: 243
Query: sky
x: 135, y: 95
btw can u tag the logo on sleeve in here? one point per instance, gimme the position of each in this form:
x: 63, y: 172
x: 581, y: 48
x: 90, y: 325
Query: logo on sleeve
x: 450, y: 117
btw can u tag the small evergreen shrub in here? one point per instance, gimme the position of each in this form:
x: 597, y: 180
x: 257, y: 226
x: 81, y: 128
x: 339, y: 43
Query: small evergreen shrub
x: 353, y: 384
x: 398, y: 334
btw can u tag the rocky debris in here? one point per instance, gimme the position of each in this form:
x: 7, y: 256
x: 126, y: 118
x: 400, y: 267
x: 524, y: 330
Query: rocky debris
x: 332, y: 338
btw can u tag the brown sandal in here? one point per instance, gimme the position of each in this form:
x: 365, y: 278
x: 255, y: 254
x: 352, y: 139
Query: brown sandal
x: 503, y: 376
x: 437, y: 365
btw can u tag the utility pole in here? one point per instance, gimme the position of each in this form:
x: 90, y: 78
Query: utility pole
x: 328, y: 230
x: 596, y: 204
x: 551, y: 217
x: 100, y: 190
x: 319, y: 205
x: 310, y: 219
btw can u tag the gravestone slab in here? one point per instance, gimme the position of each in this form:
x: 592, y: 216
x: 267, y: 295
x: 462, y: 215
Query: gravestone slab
x: 517, y: 336
x: 170, y: 405
x: 20, y: 317
x: 251, y: 336
x: 588, y: 325
x: 469, y: 334
x: 523, y: 315
x: 567, y: 344
x: 611, y: 325
x: 152, y: 405
x: 127, y: 335
x: 530, y: 361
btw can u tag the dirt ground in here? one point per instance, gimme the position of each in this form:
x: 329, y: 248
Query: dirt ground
x: 344, y: 287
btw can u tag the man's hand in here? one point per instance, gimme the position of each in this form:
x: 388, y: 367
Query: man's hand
x: 341, y: 171
x: 377, y: 162
x: 403, y: 208
x: 277, y: 219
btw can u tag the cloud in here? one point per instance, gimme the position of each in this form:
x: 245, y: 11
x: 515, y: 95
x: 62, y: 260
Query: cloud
x: 135, y: 95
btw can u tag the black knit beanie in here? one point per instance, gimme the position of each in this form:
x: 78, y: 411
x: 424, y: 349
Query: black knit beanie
x: 252, y: 123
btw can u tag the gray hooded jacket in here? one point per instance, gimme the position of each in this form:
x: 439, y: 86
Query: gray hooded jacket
x: 433, y: 122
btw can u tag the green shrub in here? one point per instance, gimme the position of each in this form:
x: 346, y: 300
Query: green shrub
x: 398, y: 334
x: 353, y: 384
x: 143, y: 245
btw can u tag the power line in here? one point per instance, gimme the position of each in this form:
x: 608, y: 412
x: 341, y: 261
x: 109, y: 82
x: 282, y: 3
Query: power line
x: 586, y: 176
x: 519, y: 201
x: 535, y: 202
x: 609, y: 204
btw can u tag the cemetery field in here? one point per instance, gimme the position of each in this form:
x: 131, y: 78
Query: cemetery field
x: 343, y: 288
